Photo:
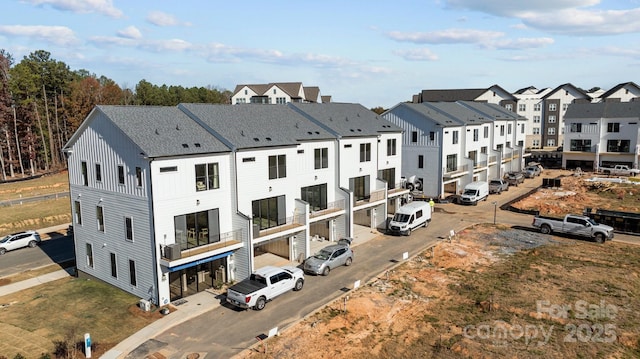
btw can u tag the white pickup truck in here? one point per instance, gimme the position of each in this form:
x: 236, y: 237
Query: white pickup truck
x: 620, y: 170
x: 576, y: 225
x: 263, y: 285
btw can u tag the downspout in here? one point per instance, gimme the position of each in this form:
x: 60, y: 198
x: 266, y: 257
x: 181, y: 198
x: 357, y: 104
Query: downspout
x: 156, y: 247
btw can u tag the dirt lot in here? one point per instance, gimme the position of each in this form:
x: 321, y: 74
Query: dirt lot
x: 492, y: 292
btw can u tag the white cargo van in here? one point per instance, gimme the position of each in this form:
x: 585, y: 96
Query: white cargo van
x: 475, y: 192
x: 409, y: 217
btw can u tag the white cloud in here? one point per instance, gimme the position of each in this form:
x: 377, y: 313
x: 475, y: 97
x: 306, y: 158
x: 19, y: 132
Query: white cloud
x: 130, y: 32
x: 160, y: 18
x: 417, y: 55
x: 569, y: 17
x: 519, y: 44
x: 167, y: 45
x: 449, y: 36
x: 59, y: 35
x: 81, y: 6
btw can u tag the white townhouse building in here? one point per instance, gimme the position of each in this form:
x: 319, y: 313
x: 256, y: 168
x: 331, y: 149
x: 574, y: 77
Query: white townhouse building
x: 554, y: 106
x: 602, y: 134
x: 450, y: 144
x: 493, y: 94
x: 277, y: 93
x: 369, y: 159
x: 530, y: 107
x: 624, y: 92
x: 170, y: 201
x: 147, y: 183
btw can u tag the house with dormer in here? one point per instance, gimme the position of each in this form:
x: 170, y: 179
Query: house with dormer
x: 277, y: 93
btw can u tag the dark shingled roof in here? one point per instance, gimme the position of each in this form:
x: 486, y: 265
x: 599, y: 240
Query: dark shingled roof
x: 603, y: 110
x: 618, y: 87
x: 256, y: 125
x: 162, y: 130
x: 346, y: 119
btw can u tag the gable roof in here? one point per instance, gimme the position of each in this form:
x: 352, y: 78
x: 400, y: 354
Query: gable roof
x: 453, y: 95
x: 255, y: 125
x: 159, y: 131
x: 618, y: 87
x: 463, y: 114
x: 580, y: 91
x: 345, y: 119
x: 603, y: 110
x: 311, y: 93
x: 496, y: 112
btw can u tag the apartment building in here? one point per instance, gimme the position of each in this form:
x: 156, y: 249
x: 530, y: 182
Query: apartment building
x: 277, y: 93
x: 450, y: 144
x: 602, y: 135
x: 170, y: 201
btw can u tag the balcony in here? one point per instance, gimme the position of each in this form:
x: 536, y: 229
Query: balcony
x: 332, y: 207
x: 285, y: 226
x: 375, y: 196
x: 456, y: 172
x: 397, y: 190
x: 226, y: 242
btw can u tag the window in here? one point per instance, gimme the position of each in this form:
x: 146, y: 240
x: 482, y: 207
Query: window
x: 316, y: 196
x: 552, y: 119
x: 132, y: 273
x: 391, y: 147
x: 420, y: 161
x: 414, y: 136
x: 509, y: 107
x: 486, y: 131
x: 269, y: 212
x: 522, y: 107
x: 207, y: 176
x: 536, y: 119
x: 552, y: 107
x: 98, y: 173
x: 249, y: 159
x: 452, y: 163
x: 321, y: 158
x: 360, y: 187
x: 100, y: 218
x: 618, y: 146
x: 77, y: 212
x: 89, y: 255
x: 281, y: 100
x: 551, y: 131
x: 576, y: 127
x: 365, y: 152
x: 551, y: 142
x: 389, y: 175
x: 120, y: 174
x: 501, y: 130
x: 536, y: 130
x: 85, y: 176
x: 454, y: 136
x: 168, y: 169
x: 537, y: 107
x: 432, y: 136
x: 522, y: 128
x: 535, y: 143
x: 483, y: 149
x: 613, y: 127
x: 580, y: 145
x: 475, y: 135
x: 565, y: 106
x: 499, y: 147
x: 197, y: 228
x: 277, y: 166
x: 139, y: 176
x: 128, y: 228
x: 114, y: 266
x: 509, y: 128
x: 474, y: 156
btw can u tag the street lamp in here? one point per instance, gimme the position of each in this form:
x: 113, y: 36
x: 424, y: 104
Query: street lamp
x: 495, y: 209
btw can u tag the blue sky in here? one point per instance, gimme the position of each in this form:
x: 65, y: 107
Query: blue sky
x: 373, y: 52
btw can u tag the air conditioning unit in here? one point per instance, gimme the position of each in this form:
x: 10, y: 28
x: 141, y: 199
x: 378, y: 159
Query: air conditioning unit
x: 145, y: 305
x: 172, y: 252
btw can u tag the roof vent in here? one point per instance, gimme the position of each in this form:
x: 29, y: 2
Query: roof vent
x: 330, y: 119
x: 157, y: 132
x: 268, y: 138
x: 184, y: 145
x: 197, y: 144
x: 178, y: 127
x: 242, y: 133
x: 317, y: 132
x: 256, y: 139
x: 297, y: 125
x: 346, y: 118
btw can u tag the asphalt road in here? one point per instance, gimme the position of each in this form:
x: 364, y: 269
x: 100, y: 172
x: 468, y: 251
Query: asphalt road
x: 226, y: 331
x: 50, y: 251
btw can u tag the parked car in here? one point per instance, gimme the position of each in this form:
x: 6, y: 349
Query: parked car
x: 531, y: 171
x: 330, y: 257
x: 514, y: 178
x: 19, y: 240
x: 263, y: 285
x: 498, y: 185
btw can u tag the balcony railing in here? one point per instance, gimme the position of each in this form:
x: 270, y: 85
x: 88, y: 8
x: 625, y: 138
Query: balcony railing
x: 374, y: 196
x: 450, y: 172
x: 215, y: 242
x: 331, y: 207
x: 284, y: 224
x: 492, y: 159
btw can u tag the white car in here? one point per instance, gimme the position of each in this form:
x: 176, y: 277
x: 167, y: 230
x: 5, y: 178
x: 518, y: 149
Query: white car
x: 19, y: 240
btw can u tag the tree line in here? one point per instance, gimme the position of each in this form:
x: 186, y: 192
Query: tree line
x: 43, y: 102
